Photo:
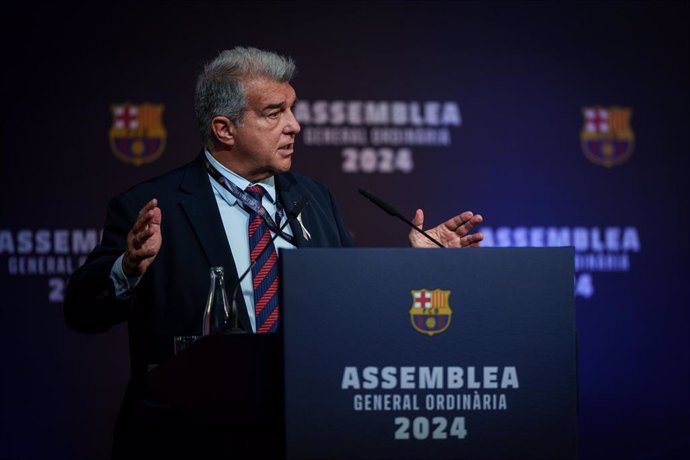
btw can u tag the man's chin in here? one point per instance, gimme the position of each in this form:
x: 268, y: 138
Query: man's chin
x: 283, y: 166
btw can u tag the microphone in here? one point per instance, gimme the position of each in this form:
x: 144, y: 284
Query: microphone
x: 394, y: 212
x: 291, y: 214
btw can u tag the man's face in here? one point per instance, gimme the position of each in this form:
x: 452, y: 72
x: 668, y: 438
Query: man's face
x: 265, y: 137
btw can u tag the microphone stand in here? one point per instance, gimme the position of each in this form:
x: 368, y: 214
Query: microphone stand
x: 395, y: 213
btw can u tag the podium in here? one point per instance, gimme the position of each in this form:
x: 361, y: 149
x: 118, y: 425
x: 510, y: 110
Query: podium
x: 248, y: 388
x: 401, y: 354
x: 220, y: 398
x: 429, y: 353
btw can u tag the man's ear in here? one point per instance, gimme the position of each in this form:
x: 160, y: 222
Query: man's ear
x: 223, y: 130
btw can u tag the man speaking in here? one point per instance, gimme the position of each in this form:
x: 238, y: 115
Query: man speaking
x: 161, y: 237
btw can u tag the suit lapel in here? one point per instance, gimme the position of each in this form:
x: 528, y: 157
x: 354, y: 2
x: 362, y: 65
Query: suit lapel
x: 202, y: 211
x: 290, y: 194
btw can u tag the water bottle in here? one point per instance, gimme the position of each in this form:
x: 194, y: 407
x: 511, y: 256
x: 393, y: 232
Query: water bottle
x: 217, y: 312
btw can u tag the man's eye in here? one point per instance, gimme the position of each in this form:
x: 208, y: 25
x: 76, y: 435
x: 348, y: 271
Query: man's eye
x: 273, y: 115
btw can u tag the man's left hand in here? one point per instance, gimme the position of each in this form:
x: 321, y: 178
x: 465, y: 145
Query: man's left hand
x: 453, y: 233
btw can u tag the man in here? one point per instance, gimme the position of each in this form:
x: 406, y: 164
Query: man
x: 162, y: 236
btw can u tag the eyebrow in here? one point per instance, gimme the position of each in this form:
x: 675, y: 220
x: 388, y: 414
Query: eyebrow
x: 278, y: 105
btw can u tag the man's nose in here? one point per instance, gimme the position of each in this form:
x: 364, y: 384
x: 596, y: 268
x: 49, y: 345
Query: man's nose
x: 292, y: 126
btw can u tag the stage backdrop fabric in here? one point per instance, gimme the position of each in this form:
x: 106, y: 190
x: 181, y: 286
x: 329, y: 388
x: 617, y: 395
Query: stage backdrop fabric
x: 562, y: 123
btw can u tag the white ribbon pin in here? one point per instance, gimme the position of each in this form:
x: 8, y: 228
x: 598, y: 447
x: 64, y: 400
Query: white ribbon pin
x: 305, y: 232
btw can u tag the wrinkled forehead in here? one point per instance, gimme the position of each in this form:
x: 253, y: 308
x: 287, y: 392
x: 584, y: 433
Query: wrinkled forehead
x: 264, y: 92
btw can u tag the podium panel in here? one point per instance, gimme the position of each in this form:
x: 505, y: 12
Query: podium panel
x: 434, y: 354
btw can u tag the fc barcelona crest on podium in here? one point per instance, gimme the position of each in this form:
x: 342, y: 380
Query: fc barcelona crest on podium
x: 430, y: 312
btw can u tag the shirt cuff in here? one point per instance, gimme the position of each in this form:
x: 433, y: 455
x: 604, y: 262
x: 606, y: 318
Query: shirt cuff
x: 123, y: 284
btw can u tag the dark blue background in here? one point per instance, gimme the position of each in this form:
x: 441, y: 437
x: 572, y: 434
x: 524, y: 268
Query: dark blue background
x: 520, y: 71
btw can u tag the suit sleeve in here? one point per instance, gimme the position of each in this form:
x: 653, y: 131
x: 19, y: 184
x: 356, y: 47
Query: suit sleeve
x: 90, y: 304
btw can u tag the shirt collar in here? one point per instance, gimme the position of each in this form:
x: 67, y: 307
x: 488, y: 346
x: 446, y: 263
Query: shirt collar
x: 269, y: 184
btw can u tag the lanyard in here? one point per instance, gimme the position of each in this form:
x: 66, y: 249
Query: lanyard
x: 250, y: 202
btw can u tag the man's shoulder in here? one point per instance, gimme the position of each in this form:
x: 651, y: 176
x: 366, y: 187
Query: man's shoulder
x: 290, y: 179
x: 168, y: 181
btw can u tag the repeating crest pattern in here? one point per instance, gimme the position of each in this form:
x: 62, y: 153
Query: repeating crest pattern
x: 137, y: 135
x: 606, y: 137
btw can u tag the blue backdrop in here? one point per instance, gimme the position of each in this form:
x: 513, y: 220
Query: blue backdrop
x: 562, y: 123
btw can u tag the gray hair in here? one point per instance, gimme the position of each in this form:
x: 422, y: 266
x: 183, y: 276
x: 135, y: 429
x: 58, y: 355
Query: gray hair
x: 220, y: 89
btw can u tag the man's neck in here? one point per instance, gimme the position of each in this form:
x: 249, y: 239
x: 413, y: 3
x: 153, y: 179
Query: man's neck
x: 225, y: 158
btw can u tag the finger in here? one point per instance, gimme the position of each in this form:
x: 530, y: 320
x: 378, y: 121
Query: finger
x: 153, y: 228
x: 472, y: 240
x: 146, y: 253
x: 146, y: 235
x: 469, y: 224
x: 146, y: 224
x: 153, y: 202
x: 476, y: 237
x: 142, y: 251
x: 145, y: 213
x: 140, y: 237
x: 156, y: 215
x: 456, y: 222
x: 140, y: 224
x: 418, y: 219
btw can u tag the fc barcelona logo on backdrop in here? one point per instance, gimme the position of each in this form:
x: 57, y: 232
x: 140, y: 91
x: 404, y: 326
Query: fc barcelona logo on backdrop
x: 137, y: 135
x: 606, y: 136
x: 430, y: 312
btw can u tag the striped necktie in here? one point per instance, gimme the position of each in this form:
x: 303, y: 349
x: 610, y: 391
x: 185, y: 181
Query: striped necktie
x: 265, y: 270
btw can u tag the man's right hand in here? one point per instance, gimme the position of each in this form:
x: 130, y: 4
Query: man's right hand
x: 143, y: 240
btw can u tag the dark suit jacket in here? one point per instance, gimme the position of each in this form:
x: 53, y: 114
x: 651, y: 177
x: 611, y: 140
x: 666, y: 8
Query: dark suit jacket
x: 169, y: 299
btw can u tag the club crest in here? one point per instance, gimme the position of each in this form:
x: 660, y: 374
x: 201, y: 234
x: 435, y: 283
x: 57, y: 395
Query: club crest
x: 606, y: 136
x: 137, y: 135
x: 430, y: 312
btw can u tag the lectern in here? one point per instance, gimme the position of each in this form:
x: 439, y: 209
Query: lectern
x: 225, y: 398
x: 224, y: 378
x: 401, y: 354
x: 435, y: 354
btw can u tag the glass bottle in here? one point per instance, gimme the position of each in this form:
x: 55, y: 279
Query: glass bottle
x: 217, y: 312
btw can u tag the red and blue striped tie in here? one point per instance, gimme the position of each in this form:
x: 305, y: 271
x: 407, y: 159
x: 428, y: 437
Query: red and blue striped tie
x: 265, y: 270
